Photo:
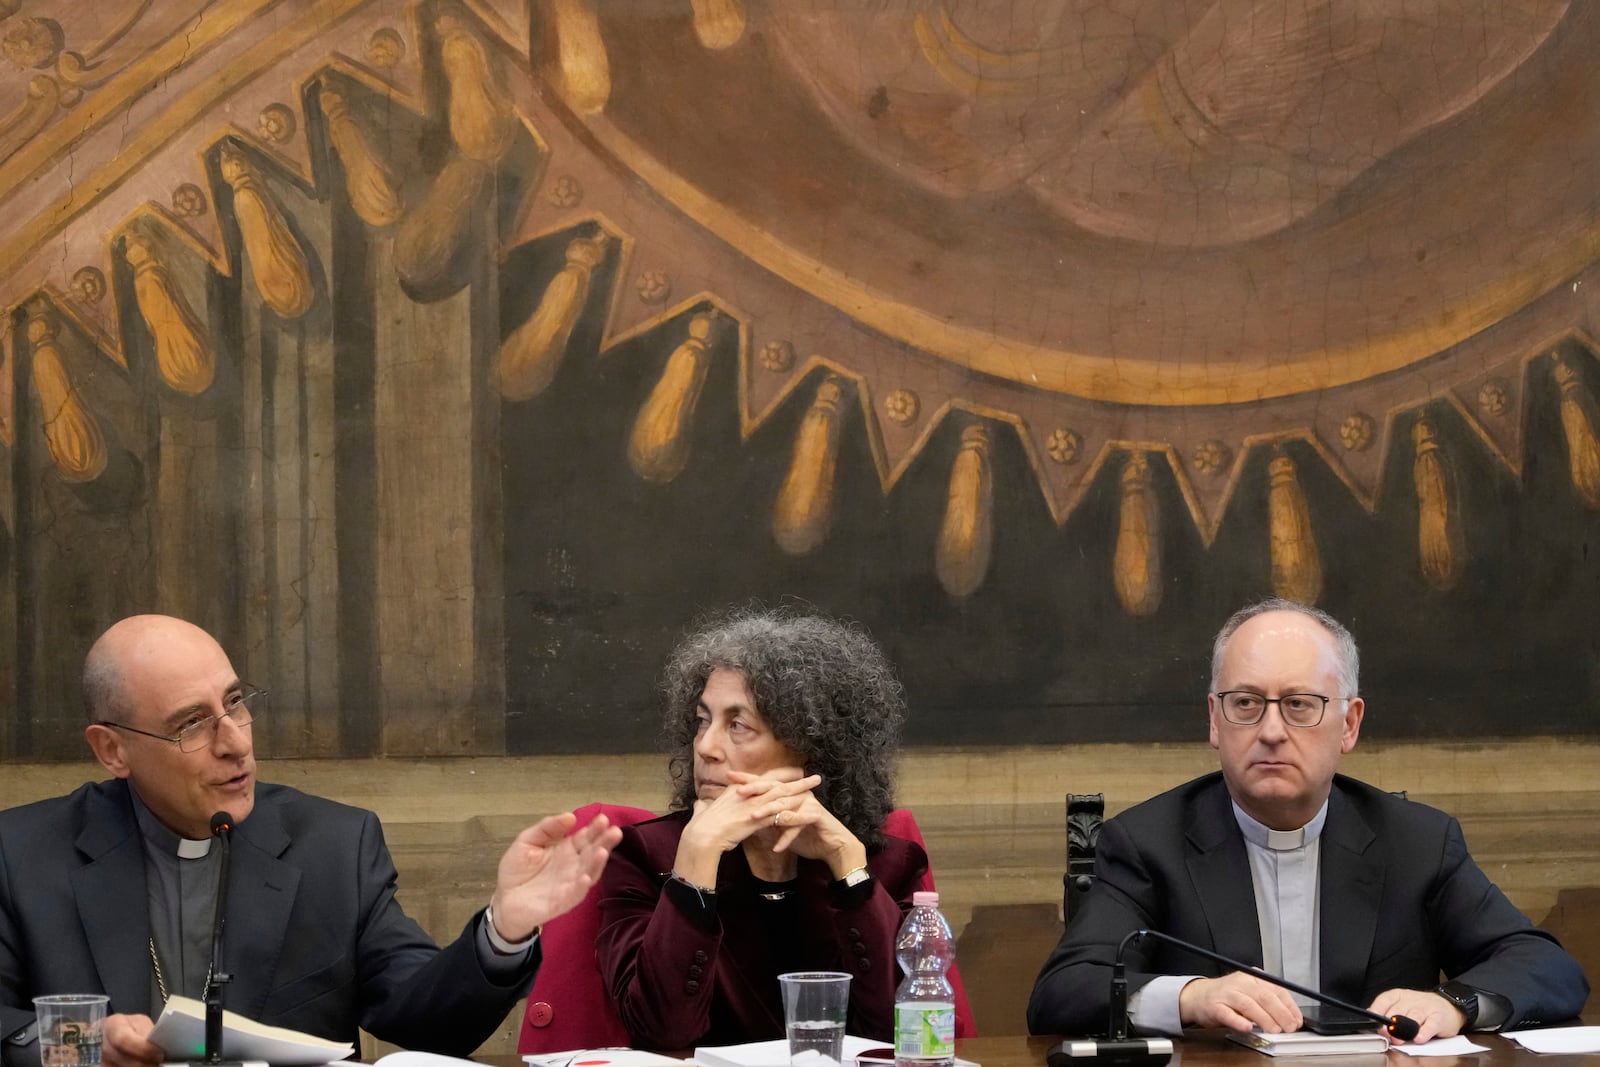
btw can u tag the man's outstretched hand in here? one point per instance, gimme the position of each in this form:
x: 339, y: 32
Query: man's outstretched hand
x: 545, y: 872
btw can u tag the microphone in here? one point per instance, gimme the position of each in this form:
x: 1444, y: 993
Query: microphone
x: 1118, y: 1049
x: 1122, y: 1051
x: 1400, y: 1026
x: 222, y: 830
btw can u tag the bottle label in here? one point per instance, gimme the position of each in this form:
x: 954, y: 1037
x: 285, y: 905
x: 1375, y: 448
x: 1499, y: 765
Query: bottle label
x: 924, y: 1031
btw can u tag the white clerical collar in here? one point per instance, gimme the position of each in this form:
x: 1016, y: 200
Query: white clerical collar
x: 1263, y: 836
x: 193, y: 850
x: 159, y: 838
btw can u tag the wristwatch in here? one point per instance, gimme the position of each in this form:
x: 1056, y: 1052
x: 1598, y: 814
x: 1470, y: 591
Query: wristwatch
x: 499, y: 942
x: 853, y: 878
x: 1465, y: 999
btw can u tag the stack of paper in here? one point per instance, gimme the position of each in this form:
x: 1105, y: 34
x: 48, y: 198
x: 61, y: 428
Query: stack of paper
x: 181, y: 1034
x: 1305, y: 1043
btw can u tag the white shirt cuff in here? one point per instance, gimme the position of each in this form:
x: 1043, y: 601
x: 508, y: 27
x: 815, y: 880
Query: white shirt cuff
x: 1154, y: 1006
x: 500, y: 944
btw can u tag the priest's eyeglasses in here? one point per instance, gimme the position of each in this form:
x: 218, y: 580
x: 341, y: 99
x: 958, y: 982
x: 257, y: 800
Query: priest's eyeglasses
x: 1244, y: 708
x: 240, y: 707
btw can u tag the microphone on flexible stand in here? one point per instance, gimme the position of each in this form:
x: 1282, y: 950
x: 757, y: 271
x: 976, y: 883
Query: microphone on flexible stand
x: 1122, y: 1051
x: 1117, y: 1048
x: 1400, y: 1026
x: 222, y: 830
x: 217, y: 978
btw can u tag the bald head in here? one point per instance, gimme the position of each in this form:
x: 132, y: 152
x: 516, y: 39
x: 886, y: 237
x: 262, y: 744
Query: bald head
x: 150, y: 682
x: 1348, y: 658
x: 128, y: 649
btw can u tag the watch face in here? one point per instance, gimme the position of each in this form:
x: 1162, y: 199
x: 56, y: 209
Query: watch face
x: 1463, y: 997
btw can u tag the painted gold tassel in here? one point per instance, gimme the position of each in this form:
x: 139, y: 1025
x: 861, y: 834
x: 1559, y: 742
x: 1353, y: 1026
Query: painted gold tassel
x: 77, y: 447
x: 804, y: 511
x: 277, y: 262
x: 1296, y: 567
x: 185, y: 361
x: 1137, y: 562
x: 528, y: 360
x: 662, y: 435
x: 581, y: 57
x: 482, y: 123
x: 1439, y: 539
x: 966, y: 535
x: 1577, y: 422
x: 435, y: 242
x: 373, y: 189
x: 718, y: 23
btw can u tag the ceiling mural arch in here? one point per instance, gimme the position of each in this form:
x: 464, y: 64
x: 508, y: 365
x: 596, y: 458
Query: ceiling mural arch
x: 294, y: 287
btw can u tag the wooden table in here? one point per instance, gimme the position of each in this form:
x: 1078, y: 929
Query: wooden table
x: 1211, y: 1049
x: 1208, y: 1048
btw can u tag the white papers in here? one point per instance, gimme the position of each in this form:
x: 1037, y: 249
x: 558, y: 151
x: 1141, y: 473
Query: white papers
x: 602, y: 1057
x: 776, y: 1053
x: 181, y: 1034
x: 407, y: 1058
x: 1443, y: 1046
x: 1558, y: 1039
x: 769, y: 1053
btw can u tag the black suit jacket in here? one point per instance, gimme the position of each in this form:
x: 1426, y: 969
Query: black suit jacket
x: 316, y: 940
x: 1401, y: 901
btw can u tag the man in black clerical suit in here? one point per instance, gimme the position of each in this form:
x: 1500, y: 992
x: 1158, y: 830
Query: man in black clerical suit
x: 1281, y: 863
x: 111, y: 889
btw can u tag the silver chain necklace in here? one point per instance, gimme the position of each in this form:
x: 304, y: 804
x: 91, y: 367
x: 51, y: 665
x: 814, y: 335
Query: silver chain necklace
x: 161, y: 979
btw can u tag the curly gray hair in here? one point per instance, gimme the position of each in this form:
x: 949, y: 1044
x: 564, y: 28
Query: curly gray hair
x: 824, y: 688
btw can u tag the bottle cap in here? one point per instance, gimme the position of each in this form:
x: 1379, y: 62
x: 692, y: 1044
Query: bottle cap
x: 923, y: 896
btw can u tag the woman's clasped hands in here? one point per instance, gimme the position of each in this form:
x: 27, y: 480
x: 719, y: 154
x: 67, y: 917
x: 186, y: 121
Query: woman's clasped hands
x: 776, y: 816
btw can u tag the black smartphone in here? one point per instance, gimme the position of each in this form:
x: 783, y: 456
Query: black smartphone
x: 1323, y: 1019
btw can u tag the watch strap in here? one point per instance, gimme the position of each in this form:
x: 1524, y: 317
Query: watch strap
x: 852, y: 890
x: 499, y: 942
x: 1465, y: 999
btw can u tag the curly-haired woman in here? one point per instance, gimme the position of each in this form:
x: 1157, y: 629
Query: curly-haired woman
x: 783, y: 729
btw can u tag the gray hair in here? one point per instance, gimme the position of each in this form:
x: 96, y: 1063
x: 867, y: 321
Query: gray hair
x: 102, y: 687
x: 1347, y: 657
x: 825, y: 690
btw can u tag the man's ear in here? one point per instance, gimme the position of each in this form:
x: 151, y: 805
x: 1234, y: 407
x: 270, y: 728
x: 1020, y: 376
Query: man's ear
x: 1352, y: 724
x: 107, y: 746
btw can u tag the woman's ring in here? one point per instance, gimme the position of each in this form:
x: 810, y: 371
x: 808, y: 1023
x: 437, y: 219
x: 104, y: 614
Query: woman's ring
x: 777, y: 820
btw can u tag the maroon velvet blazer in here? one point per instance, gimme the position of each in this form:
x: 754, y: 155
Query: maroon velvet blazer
x: 677, y: 984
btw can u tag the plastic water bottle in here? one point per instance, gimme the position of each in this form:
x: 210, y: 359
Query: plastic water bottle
x: 925, y: 1005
